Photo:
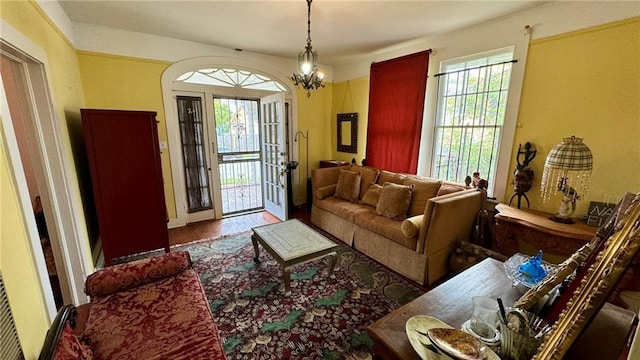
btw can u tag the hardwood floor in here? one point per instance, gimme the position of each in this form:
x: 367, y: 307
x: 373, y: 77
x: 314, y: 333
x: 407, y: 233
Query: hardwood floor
x: 227, y: 226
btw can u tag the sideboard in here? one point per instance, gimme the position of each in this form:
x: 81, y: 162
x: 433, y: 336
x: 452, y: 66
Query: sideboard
x: 518, y: 229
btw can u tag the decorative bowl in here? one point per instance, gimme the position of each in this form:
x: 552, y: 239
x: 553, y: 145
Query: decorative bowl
x: 511, y: 267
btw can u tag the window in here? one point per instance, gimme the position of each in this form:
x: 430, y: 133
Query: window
x: 470, y: 113
x: 231, y: 78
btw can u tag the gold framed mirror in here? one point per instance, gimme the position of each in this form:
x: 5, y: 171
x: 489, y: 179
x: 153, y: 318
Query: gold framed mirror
x: 596, y: 286
x: 347, y: 127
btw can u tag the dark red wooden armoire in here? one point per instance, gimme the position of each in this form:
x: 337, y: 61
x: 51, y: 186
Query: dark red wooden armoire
x: 126, y: 174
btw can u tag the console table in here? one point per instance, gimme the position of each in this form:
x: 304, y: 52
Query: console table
x: 333, y: 163
x: 513, y: 225
x: 451, y: 303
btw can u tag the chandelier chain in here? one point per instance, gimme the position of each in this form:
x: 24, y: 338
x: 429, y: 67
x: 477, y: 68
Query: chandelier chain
x: 309, y: 21
x: 308, y: 75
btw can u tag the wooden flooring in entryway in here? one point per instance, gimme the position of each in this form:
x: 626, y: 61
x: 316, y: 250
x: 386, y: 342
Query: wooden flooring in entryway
x: 227, y: 226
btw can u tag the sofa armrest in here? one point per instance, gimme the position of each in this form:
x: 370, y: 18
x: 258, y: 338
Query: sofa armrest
x: 448, y: 218
x: 127, y: 276
x: 323, y: 177
x: 61, y: 342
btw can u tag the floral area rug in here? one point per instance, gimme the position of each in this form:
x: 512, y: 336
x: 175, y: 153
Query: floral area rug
x: 323, y: 318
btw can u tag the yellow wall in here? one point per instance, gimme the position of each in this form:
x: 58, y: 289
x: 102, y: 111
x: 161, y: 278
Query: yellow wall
x: 17, y: 266
x: 16, y: 262
x: 126, y: 83
x: 587, y: 84
x: 314, y: 115
x: 350, y: 96
x: 584, y: 83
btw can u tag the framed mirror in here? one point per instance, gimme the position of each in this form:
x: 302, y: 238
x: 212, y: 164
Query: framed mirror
x: 348, y: 132
x: 596, y: 285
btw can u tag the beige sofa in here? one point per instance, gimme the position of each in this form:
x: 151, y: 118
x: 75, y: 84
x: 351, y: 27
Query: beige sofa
x: 365, y: 211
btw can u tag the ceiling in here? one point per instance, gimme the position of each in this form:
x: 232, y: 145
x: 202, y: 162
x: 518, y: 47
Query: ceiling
x: 339, y: 29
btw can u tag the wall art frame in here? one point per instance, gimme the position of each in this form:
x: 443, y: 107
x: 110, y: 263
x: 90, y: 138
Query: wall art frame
x: 347, y: 131
x: 596, y: 286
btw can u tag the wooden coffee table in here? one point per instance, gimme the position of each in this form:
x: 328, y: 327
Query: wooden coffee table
x: 290, y: 243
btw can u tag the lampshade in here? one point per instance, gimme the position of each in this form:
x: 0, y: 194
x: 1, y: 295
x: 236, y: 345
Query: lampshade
x: 567, y: 169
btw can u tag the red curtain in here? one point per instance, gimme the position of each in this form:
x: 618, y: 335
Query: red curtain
x: 396, y: 104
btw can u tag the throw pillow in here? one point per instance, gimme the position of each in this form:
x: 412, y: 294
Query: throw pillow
x: 388, y: 176
x: 69, y: 347
x: 348, y: 187
x: 369, y: 176
x: 372, y: 195
x: 423, y: 190
x: 411, y: 226
x: 394, y: 201
x: 325, y: 191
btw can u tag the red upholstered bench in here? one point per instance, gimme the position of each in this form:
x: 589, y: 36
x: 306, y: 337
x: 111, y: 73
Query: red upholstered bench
x: 154, y: 308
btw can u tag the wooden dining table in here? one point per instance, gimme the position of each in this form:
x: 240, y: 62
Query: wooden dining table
x: 451, y: 302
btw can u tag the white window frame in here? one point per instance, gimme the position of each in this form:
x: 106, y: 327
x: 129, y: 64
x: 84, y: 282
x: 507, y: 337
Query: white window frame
x: 455, y: 69
x: 478, y: 43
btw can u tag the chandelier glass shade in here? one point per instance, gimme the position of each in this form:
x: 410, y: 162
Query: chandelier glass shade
x: 308, y: 75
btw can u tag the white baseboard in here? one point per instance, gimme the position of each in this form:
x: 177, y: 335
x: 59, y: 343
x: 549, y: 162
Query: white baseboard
x: 175, y: 223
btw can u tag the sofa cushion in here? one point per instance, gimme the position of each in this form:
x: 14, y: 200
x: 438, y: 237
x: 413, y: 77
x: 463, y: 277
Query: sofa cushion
x: 384, y: 226
x: 372, y: 195
x: 130, y: 275
x: 70, y: 348
x: 449, y: 189
x: 348, y: 187
x: 369, y: 176
x: 388, y: 176
x: 423, y: 190
x: 343, y: 209
x: 411, y: 226
x: 394, y: 201
x: 325, y: 191
x: 167, y: 319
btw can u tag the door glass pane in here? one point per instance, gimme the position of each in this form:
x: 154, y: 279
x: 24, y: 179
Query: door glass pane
x: 238, y: 137
x: 193, y: 153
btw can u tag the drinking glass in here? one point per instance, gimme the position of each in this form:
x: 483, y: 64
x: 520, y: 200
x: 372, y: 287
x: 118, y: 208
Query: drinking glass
x: 522, y: 335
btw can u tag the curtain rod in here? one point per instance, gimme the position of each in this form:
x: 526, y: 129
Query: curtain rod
x: 477, y: 67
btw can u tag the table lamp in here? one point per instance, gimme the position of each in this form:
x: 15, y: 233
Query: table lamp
x: 568, y: 170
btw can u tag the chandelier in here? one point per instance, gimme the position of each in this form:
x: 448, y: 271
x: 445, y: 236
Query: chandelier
x: 308, y: 75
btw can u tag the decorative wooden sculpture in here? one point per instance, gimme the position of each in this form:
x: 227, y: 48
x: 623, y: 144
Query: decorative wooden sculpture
x: 523, y: 174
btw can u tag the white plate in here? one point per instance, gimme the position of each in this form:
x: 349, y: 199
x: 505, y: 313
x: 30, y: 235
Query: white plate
x: 423, y: 323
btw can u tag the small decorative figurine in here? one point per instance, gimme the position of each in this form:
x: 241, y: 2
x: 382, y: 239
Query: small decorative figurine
x: 476, y: 179
x: 467, y: 180
x: 523, y: 174
x: 532, y: 269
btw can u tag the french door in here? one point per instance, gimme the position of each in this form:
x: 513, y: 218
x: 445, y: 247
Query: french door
x: 194, y: 140
x: 232, y: 155
x: 237, y: 124
x: 275, y: 155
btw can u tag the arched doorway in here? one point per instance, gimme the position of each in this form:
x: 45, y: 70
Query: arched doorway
x: 229, y: 128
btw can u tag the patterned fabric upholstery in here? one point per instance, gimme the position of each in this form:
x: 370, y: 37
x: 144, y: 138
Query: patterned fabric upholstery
x: 130, y: 275
x: 166, y: 319
x: 70, y: 348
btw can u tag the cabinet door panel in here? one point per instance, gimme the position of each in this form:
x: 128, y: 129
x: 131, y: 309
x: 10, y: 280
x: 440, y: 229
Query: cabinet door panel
x: 126, y: 174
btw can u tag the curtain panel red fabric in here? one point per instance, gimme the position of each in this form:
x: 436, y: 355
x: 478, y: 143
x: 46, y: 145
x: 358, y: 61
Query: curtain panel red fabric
x: 396, y: 104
